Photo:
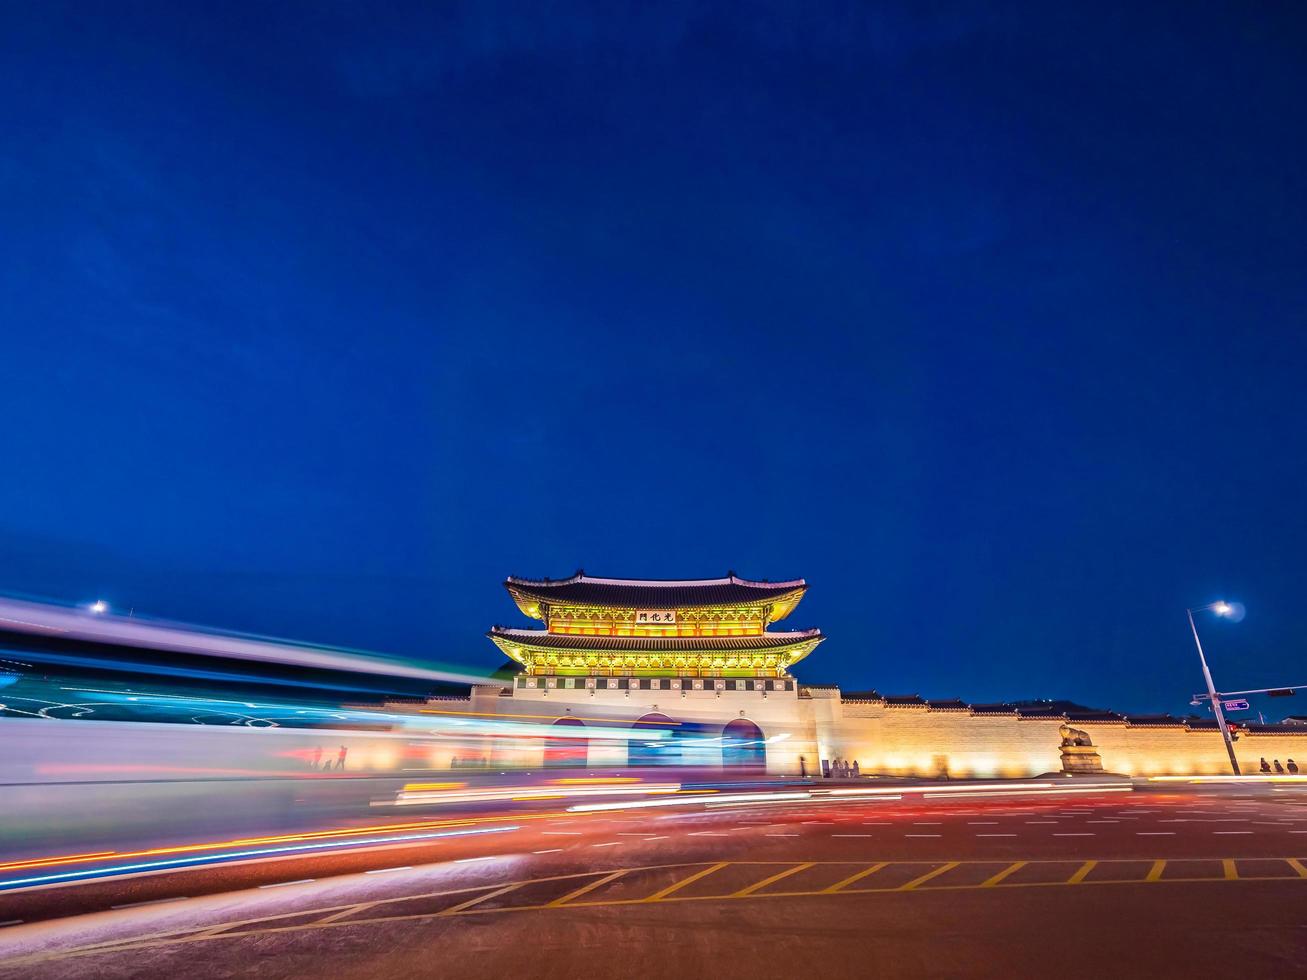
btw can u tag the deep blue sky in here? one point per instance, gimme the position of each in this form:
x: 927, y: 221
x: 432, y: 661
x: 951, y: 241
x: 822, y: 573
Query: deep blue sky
x: 319, y: 320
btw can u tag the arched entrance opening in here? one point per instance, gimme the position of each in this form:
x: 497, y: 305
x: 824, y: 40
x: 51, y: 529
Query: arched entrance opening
x: 743, y: 746
x: 566, y: 749
x: 659, y: 748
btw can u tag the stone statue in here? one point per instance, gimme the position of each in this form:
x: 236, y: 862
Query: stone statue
x: 1074, y: 736
x: 1078, y: 752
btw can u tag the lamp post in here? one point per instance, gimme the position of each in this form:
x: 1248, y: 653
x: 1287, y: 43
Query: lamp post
x: 1221, y: 609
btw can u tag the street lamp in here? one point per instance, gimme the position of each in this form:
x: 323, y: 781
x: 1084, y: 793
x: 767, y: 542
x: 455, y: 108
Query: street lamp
x: 1223, y: 609
x: 99, y: 606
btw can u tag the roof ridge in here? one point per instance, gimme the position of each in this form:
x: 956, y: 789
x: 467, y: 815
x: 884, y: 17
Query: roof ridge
x: 730, y: 579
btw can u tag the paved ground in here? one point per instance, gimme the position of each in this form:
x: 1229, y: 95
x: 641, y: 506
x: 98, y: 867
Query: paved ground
x: 1162, y: 882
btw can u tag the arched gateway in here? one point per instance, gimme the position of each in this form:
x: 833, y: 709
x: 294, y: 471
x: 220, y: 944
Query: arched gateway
x: 566, y: 749
x: 743, y: 745
x: 660, y: 748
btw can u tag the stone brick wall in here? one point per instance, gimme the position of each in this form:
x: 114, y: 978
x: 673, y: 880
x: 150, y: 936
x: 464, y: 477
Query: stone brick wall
x: 914, y: 740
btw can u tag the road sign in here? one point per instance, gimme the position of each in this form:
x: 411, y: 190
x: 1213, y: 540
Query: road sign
x: 1236, y: 705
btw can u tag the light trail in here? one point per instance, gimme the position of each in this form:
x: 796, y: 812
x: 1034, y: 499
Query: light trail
x: 239, y: 842
x: 86, y: 875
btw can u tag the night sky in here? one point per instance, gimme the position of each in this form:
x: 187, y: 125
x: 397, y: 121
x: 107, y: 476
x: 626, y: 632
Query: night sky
x: 319, y: 320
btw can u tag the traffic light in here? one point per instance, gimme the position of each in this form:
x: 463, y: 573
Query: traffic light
x: 1280, y: 692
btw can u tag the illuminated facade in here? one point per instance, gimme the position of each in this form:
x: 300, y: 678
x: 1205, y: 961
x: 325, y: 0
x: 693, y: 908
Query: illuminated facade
x: 691, y: 630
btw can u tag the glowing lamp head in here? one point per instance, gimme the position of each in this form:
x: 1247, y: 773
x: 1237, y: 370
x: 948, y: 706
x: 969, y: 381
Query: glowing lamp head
x: 99, y: 606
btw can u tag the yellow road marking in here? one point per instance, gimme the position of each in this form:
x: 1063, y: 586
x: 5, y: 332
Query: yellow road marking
x: 1155, y: 872
x: 852, y: 878
x: 1009, y: 870
x: 767, y: 881
x: 348, y: 910
x: 658, y: 896
x: 1231, y: 872
x: 927, y: 876
x: 586, y: 889
x: 1082, y: 873
x: 1298, y: 867
x: 454, y: 910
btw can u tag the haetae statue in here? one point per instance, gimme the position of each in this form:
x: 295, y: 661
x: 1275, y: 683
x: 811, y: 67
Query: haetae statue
x: 1078, y: 752
x: 1074, y: 736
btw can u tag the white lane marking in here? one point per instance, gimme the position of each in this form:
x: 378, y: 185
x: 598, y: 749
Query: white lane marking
x: 980, y: 823
x: 486, y: 857
x: 634, y: 835
x: 155, y: 901
x: 551, y: 850
x: 877, y: 823
x: 925, y: 823
x: 1103, y: 821
x: 655, y: 838
x: 1176, y: 820
x: 1154, y: 833
x: 782, y: 835
x: 560, y: 833
x: 868, y: 835
x: 11, y: 922
x: 1232, y: 831
x: 611, y: 843
x: 996, y: 835
x: 704, y: 833
x: 921, y: 835
x: 1079, y: 834
x: 1035, y: 822
x: 383, y: 871
x: 283, y: 884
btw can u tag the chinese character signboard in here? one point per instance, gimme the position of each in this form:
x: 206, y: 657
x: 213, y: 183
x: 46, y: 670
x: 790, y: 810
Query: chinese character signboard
x: 655, y: 617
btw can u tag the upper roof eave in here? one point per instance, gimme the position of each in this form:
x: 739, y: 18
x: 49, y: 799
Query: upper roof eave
x: 616, y: 593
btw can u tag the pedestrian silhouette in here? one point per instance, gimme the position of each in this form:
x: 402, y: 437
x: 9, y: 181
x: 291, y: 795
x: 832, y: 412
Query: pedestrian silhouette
x: 340, y: 757
x: 317, y: 757
x: 1293, y: 767
x: 1266, y: 766
x: 1279, y: 768
x: 803, y: 767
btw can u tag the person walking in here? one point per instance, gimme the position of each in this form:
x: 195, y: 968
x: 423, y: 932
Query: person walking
x: 340, y: 758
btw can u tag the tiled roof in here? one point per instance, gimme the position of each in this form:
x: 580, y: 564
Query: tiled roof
x: 1155, y: 721
x: 1099, y: 716
x: 625, y: 593
x: 948, y: 704
x: 541, y: 639
x: 993, y: 709
x: 860, y: 696
x: 904, y: 700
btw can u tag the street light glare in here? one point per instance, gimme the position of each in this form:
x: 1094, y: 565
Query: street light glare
x: 1222, y: 608
x: 99, y: 606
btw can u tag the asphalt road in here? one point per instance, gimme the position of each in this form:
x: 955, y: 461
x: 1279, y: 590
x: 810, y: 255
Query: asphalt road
x: 1159, y: 882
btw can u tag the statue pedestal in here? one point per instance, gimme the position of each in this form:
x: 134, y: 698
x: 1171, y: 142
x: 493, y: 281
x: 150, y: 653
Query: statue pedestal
x: 1081, y: 759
